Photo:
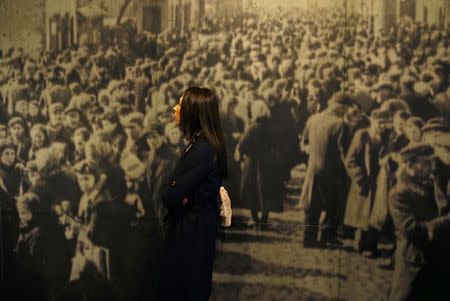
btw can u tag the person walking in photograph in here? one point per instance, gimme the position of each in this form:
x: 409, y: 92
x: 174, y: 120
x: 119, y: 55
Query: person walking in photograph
x: 190, y: 196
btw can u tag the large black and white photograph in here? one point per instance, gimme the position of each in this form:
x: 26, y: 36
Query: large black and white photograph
x: 335, y: 152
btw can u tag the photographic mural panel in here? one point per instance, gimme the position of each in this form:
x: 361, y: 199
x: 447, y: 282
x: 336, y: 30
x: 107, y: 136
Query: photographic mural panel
x: 336, y: 122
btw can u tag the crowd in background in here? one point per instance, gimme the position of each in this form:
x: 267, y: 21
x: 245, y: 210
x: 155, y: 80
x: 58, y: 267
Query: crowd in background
x: 87, y: 136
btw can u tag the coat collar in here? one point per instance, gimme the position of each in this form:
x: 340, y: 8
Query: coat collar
x: 188, y: 147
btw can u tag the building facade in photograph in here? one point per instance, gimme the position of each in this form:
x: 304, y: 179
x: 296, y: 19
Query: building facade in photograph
x: 159, y: 15
x: 22, y: 25
x: 228, y: 8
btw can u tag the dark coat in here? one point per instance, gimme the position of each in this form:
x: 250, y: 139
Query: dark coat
x: 42, y: 262
x: 362, y: 163
x: 262, y: 182
x: 191, y: 229
x: 231, y: 125
x: 379, y: 217
x: 55, y: 187
x: 285, y: 139
x: 10, y: 180
x: 156, y: 174
x: 420, y: 215
x: 323, y: 135
x: 141, y: 87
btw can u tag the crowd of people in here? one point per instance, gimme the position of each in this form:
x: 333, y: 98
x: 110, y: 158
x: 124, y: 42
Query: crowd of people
x: 87, y: 136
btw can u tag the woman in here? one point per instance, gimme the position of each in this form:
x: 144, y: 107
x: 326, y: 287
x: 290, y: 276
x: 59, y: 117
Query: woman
x: 191, y: 197
x: 12, y: 172
x: 39, y: 140
x: 92, y: 258
x: 18, y: 130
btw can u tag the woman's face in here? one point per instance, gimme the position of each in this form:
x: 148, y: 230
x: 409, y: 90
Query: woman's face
x: 413, y: 133
x: 79, y: 143
x: 73, y: 119
x: 22, y: 109
x: 155, y: 141
x: 38, y: 139
x: 56, y: 117
x: 33, y: 110
x: 8, y: 157
x: 17, y: 130
x: 177, y: 109
x: 378, y: 126
x: 174, y: 136
x: 399, y: 124
x: 3, y: 133
x: 86, y: 182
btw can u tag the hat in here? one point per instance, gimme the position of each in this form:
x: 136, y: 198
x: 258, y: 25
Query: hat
x: 380, y: 114
x: 383, y: 85
x: 436, y: 124
x: 407, y: 80
x: 394, y: 71
x: 34, y: 103
x: 111, y: 116
x: 7, y: 143
x: 71, y: 108
x: 56, y: 106
x: 373, y: 69
x: 86, y: 167
x: 415, y: 121
x: 394, y: 105
x: 86, y: 101
x: 341, y: 98
x: 75, y: 88
x: 132, y: 166
x: 16, y: 120
x: 422, y: 89
x: 124, y: 109
x: 415, y: 151
x: 134, y: 118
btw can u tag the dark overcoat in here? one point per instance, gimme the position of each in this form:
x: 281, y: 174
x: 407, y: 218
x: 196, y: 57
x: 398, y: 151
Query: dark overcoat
x: 191, y: 229
x: 363, y: 166
x: 263, y: 174
x: 325, y: 173
x: 421, y: 219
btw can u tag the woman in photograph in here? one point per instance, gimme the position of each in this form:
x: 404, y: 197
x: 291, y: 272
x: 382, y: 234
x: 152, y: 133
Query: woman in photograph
x: 191, y: 197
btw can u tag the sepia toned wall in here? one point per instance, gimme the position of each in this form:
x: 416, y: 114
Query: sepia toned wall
x: 292, y: 53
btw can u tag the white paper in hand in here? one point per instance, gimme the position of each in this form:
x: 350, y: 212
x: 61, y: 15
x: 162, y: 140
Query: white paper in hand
x: 225, y: 208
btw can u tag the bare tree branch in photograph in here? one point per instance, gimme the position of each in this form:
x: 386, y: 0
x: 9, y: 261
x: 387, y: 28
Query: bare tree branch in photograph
x: 122, y: 10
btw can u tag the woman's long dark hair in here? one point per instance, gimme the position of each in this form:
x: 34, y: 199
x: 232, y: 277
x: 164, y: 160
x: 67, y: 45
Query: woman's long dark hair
x: 200, y: 114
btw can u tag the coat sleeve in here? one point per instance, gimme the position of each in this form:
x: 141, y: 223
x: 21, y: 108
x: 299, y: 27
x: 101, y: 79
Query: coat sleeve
x: 354, y: 160
x: 438, y: 228
x: 305, y: 134
x: 247, y: 140
x: 404, y: 218
x: 184, y: 185
x: 416, y: 231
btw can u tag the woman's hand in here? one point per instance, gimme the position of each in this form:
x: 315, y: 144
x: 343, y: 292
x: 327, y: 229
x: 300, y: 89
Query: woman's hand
x: 184, y: 201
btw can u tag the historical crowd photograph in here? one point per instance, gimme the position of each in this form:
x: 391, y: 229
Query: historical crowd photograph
x: 224, y: 150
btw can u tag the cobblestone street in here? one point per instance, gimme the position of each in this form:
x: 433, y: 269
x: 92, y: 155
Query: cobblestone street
x: 272, y: 265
